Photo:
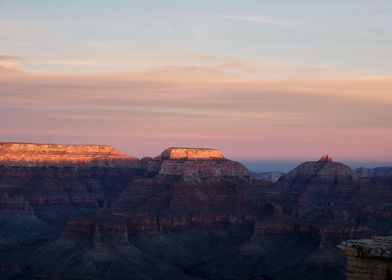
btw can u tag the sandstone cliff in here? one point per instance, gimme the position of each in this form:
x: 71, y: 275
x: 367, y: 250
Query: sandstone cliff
x: 191, y: 153
x: 32, y: 154
x: 368, y: 258
x: 194, y: 164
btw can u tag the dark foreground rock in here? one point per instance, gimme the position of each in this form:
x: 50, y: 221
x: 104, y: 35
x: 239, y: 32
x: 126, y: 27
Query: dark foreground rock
x: 368, y: 258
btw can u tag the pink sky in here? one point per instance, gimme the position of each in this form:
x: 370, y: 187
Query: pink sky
x: 141, y: 114
x: 265, y: 80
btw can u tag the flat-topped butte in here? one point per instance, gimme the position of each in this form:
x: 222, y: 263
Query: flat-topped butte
x: 191, y: 153
x: 41, y: 154
x: 34, y: 154
x: 51, y: 149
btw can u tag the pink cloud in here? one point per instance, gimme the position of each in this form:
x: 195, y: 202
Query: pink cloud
x: 142, y: 114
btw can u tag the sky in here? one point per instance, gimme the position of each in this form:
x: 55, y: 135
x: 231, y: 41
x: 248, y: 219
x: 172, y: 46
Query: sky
x: 260, y: 80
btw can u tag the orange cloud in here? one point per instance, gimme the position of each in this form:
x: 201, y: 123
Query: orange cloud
x: 9, y: 64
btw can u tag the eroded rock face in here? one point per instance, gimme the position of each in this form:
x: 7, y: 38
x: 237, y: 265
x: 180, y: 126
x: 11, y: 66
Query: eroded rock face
x: 32, y: 154
x: 318, y: 174
x: 42, y: 185
x: 321, y: 169
x: 191, y: 153
x: 326, y: 158
x: 188, y: 217
x: 368, y: 258
x: 193, y: 164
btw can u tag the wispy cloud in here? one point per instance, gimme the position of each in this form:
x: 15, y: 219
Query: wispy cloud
x: 10, y: 58
x: 249, y: 119
x: 164, y: 65
x: 259, y: 19
x: 369, y: 34
x: 10, y: 64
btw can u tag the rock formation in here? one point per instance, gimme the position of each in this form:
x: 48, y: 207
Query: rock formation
x: 368, y: 258
x: 193, y: 164
x: 191, y: 153
x: 326, y: 158
x: 32, y: 154
x: 324, y: 168
x: 185, y: 214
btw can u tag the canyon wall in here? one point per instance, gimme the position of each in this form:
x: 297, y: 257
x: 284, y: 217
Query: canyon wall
x: 186, y: 214
x: 191, y: 153
x: 32, y: 154
x: 368, y: 259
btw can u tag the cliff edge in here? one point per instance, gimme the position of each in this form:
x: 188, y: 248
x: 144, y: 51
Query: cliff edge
x: 368, y: 258
x: 191, y: 153
x: 33, y: 154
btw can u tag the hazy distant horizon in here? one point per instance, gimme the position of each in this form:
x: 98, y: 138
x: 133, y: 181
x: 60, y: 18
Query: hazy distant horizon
x: 286, y: 166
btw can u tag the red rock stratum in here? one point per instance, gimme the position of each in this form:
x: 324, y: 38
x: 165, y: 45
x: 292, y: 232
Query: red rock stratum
x: 191, y: 153
x: 32, y: 154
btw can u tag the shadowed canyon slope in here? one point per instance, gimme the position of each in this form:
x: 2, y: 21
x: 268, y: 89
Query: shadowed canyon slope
x: 92, y: 213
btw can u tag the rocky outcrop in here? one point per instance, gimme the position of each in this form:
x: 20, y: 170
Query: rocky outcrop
x: 185, y: 214
x: 326, y: 192
x: 324, y: 169
x: 32, y: 154
x: 191, y: 153
x: 193, y: 164
x: 43, y: 185
x: 326, y: 158
x: 318, y: 182
x: 368, y: 258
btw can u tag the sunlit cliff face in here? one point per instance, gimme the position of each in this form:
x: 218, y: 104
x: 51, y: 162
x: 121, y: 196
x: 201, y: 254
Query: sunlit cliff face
x: 27, y: 154
x: 191, y: 153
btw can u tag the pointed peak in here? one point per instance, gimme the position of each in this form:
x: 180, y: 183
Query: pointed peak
x: 326, y: 158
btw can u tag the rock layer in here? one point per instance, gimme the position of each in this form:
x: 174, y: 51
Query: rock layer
x: 368, y: 258
x: 194, y: 164
x: 184, y: 217
x: 191, y: 153
x: 32, y: 154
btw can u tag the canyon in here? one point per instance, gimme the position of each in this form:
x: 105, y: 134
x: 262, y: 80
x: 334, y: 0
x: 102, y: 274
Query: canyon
x: 91, y: 212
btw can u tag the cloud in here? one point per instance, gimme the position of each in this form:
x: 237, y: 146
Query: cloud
x: 259, y: 19
x: 10, y: 58
x: 174, y: 64
x: 246, y: 118
x: 369, y: 34
x: 10, y: 64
